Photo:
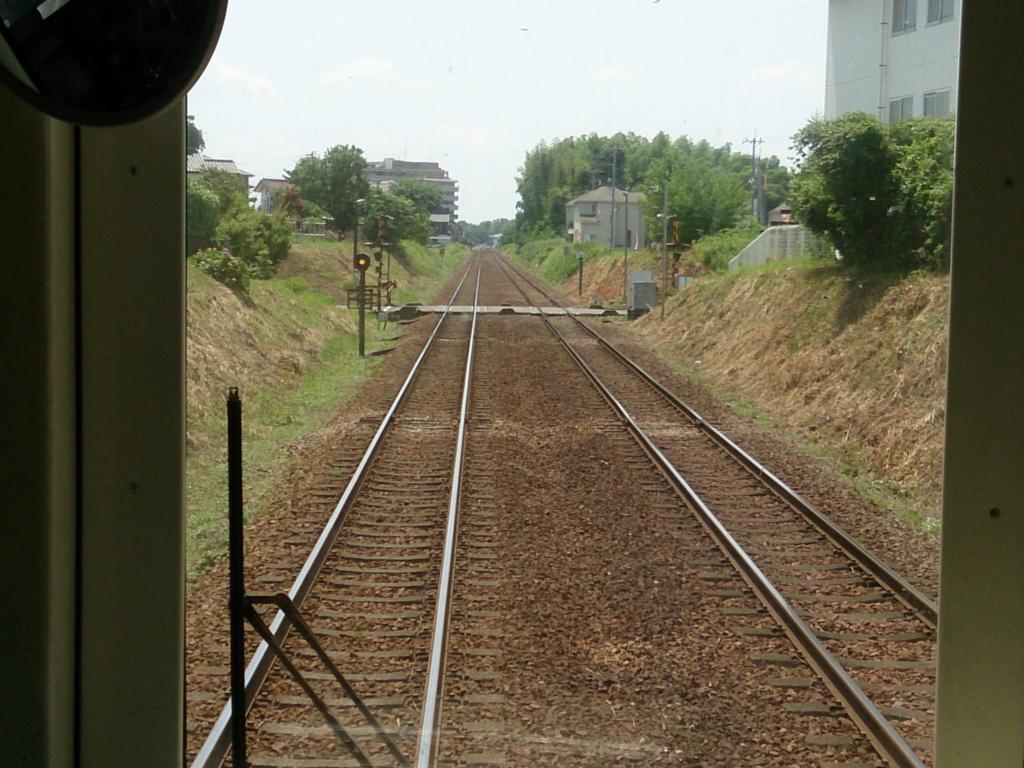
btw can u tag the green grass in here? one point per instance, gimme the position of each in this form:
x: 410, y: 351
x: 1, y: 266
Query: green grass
x: 272, y: 419
x: 276, y: 417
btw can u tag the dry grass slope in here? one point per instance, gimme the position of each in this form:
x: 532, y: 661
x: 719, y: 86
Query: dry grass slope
x: 853, y: 365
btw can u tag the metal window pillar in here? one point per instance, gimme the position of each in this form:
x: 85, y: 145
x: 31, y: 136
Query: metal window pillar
x: 93, y: 421
x: 980, y: 712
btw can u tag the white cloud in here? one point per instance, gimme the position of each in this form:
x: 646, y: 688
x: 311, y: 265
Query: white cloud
x: 255, y: 85
x: 789, y: 72
x: 361, y: 69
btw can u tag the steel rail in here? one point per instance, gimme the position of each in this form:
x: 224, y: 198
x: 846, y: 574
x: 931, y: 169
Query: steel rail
x: 218, y: 743
x: 429, y: 723
x: 887, y: 740
x: 917, y: 601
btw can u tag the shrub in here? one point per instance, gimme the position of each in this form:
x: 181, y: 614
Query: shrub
x: 202, y: 210
x: 261, y: 242
x: 224, y: 266
x: 278, y: 235
x: 924, y: 175
x: 715, y: 251
x: 882, y: 195
x: 241, y: 231
x: 846, y: 189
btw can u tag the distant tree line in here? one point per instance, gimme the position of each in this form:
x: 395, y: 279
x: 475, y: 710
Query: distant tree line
x: 882, y: 195
x: 480, y: 234
x: 709, y: 188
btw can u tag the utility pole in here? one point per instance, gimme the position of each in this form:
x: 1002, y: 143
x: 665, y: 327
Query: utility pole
x: 664, y: 247
x: 755, y: 143
x: 625, y: 251
x: 615, y: 180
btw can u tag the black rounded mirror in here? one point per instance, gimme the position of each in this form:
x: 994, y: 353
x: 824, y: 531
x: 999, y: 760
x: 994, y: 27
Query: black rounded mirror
x: 106, y: 62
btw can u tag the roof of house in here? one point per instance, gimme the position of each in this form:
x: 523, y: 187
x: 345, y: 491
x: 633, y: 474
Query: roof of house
x: 784, y: 208
x: 270, y: 185
x: 199, y: 163
x: 604, y: 195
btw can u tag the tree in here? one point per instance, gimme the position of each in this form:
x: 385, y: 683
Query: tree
x: 194, y: 143
x: 882, y: 195
x: 425, y: 197
x: 924, y: 150
x: 231, y: 190
x: 334, y: 181
x: 202, y: 212
x: 408, y: 221
x: 708, y: 186
x: 480, y: 234
x: 845, y: 189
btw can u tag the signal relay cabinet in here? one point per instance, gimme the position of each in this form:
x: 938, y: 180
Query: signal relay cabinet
x: 91, y: 541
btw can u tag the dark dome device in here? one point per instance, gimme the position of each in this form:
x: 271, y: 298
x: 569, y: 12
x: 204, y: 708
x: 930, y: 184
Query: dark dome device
x: 106, y: 62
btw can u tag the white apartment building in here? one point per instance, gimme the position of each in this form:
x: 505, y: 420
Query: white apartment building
x: 892, y: 58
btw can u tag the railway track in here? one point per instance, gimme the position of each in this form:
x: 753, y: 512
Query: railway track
x: 412, y: 585
x: 375, y: 587
x: 866, y: 632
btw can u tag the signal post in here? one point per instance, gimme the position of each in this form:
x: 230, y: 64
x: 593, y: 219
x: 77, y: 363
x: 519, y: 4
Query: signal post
x: 361, y: 262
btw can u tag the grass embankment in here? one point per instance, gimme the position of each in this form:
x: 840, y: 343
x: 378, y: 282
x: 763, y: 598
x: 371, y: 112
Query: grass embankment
x: 293, y: 352
x: 849, y: 366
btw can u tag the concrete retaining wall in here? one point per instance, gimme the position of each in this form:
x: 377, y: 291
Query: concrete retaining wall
x: 789, y: 241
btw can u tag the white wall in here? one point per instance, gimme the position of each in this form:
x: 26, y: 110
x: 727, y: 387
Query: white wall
x: 860, y: 42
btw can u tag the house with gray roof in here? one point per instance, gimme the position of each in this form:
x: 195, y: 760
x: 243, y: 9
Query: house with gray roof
x: 196, y: 164
x: 588, y: 218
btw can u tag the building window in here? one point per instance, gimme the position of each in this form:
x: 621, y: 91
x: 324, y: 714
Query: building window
x: 936, y: 104
x: 939, y: 11
x: 901, y: 109
x: 904, y: 16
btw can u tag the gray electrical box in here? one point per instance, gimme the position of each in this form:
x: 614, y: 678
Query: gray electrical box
x: 641, y: 297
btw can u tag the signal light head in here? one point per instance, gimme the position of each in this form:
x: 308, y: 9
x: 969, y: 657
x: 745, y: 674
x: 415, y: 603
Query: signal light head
x: 361, y: 261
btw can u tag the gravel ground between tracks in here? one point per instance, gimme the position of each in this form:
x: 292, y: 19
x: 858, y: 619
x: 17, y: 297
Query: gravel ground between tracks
x: 602, y: 664
x: 911, y: 553
x: 615, y: 646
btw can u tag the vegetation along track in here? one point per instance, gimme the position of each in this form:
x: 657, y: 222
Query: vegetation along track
x: 865, y: 631
x: 374, y: 588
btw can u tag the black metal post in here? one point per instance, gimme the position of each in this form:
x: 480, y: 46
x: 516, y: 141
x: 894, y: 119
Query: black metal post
x: 380, y: 278
x: 362, y: 313
x: 579, y: 258
x: 236, y: 578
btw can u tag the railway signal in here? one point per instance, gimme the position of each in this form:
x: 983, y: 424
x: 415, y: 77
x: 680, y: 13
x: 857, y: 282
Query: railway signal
x: 361, y: 262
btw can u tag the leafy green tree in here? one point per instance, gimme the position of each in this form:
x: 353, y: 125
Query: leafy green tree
x: 882, y: 195
x: 846, y: 188
x: 202, y: 212
x: 425, y: 197
x: 231, y: 190
x: 408, y: 221
x: 924, y: 149
x: 194, y: 143
x: 334, y: 181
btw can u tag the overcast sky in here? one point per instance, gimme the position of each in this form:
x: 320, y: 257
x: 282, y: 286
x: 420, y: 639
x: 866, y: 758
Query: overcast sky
x: 474, y: 84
